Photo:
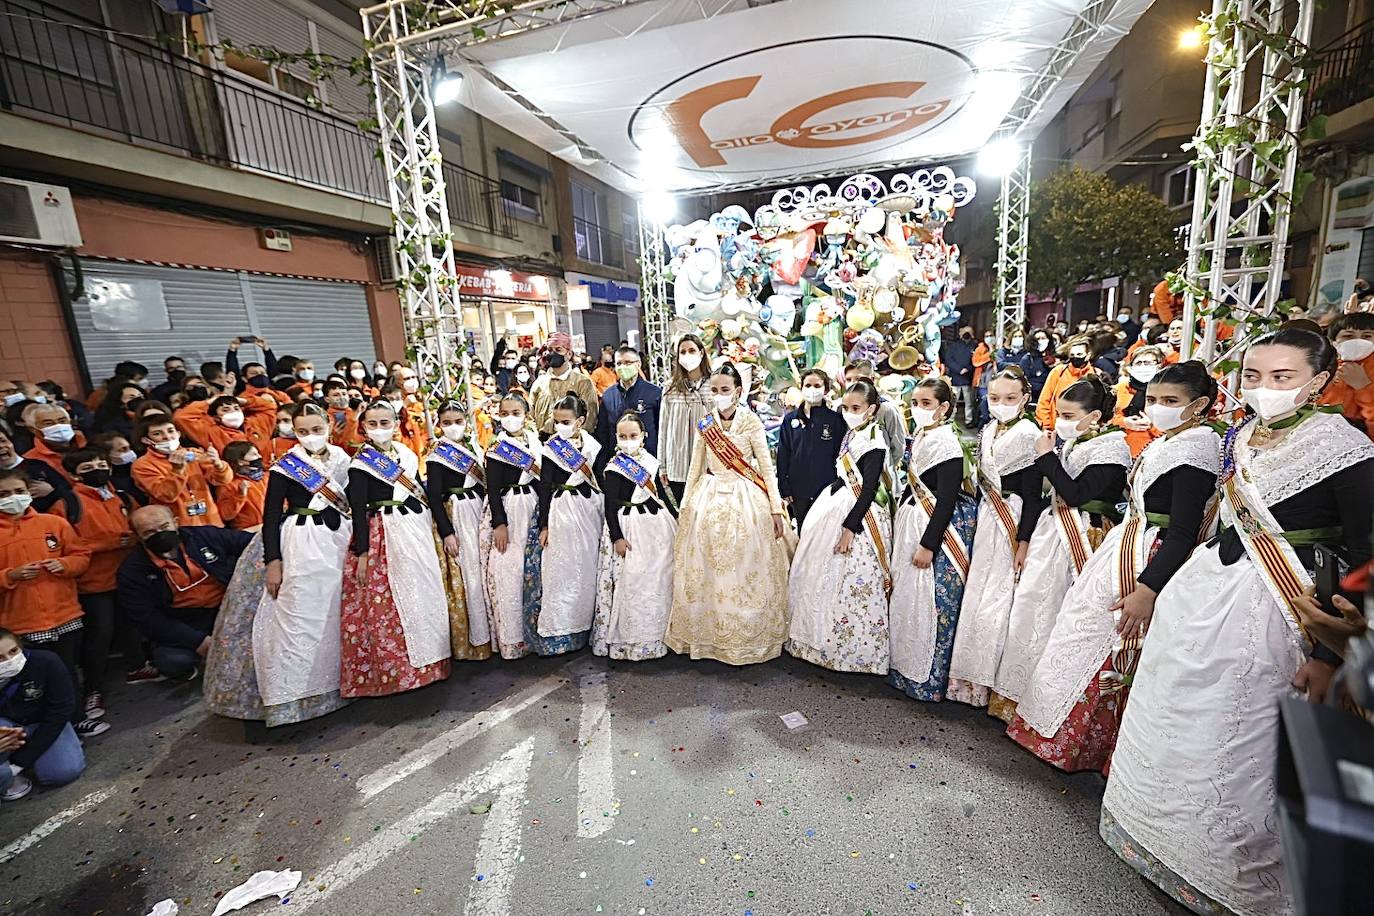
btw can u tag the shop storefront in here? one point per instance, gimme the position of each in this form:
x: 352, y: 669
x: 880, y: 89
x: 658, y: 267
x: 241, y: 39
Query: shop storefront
x: 504, y: 303
x: 612, y: 314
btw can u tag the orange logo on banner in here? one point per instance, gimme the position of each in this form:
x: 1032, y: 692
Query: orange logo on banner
x: 685, y: 115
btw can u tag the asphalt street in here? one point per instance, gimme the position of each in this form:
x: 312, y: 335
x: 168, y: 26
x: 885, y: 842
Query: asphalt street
x: 573, y: 785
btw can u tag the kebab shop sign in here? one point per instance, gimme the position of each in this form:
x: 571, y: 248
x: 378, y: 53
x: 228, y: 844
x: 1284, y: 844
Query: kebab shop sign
x: 504, y: 284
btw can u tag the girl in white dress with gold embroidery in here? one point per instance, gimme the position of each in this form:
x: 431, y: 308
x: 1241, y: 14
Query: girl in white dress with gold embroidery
x: 1192, y: 798
x: 840, y: 577
x: 1010, y: 506
x: 635, y: 587
x: 1087, y: 476
x: 934, y: 527
x: 733, y: 543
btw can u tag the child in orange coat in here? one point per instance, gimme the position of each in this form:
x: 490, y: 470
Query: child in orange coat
x: 177, y: 477
x: 1353, y: 388
x: 241, y: 500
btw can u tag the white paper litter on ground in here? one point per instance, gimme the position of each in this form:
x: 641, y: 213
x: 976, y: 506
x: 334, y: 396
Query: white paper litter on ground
x: 164, y: 908
x: 263, y: 884
x: 793, y: 720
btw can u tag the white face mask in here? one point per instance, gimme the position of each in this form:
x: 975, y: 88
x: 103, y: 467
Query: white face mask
x: 233, y: 419
x: 1272, y: 402
x: 1143, y: 374
x: 1004, y: 413
x: 1067, y: 429
x: 1165, y: 418
x: 284, y: 429
x: 359, y: 374
x: 855, y: 418
x: 10, y: 667
x: 512, y: 424
x: 314, y: 443
x: 923, y: 416
x: 411, y: 385
x: 305, y: 375
x: 398, y: 406
x: 171, y: 445
x: 16, y: 504
x: 565, y: 430
x: 813, y: 395
x: 724, y: 401
x: 12, y: 399
x: 689, y: 361
x: 1018, y: 342
x: 453, y: 432
x: 128, y: 457
x: 522, y: 376
x: 1352, y: 351
x: 59, y: 432
x: 381, y: 436
x: 1042, y: 345
x: 632, y: 446
x: 379, y: 371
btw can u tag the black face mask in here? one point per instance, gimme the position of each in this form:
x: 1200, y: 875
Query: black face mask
x: 556, y: 360
x: 258, y: 381
x: 162, y: 542
x: 966, y: 337
x: 1078, y: 362
x: 96, y: 478
x: 176, y: 375
x: 197, y: 393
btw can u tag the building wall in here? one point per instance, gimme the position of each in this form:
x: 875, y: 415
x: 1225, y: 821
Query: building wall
x: 34, y: 343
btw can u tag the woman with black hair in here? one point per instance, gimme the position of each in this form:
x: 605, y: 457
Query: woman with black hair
x: 635, y: 578
x: 840, y: 575
x: 113, y: 414
x: 1010, y: 505
x: 570, y: 523
x: 1087, y: 474
x: 1191, y: 801
x: 733, y: 543
x: 1072, y: 705
x: 930, y: 553
x: 454, y: 484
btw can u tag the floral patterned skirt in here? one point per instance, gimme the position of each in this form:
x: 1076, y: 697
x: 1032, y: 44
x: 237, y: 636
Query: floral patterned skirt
x: 1155, y: 871
x: 451, y: 570
x: 1000, y: 707
x: 533, y: 601
x: 374, y: 658
x: 1086, y: 739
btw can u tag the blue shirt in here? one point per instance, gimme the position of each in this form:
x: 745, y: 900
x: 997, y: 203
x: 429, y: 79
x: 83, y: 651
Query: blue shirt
x: 807, y: 451
x: 643, y: 398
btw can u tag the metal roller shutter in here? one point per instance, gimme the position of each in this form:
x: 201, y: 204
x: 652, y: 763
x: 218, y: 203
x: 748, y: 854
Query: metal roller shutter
x: 600, y: 326
x: 313, y: 319
x: 262, y: 22
x: 205, y: 308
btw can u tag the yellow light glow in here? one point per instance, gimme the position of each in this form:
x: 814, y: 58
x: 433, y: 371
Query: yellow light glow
x: 1190, y: 39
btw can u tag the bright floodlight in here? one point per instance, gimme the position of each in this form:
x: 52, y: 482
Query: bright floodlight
x: 447, y: 85
x: 1190, y: 39
x: 999, y: 157
x: 660, y: 206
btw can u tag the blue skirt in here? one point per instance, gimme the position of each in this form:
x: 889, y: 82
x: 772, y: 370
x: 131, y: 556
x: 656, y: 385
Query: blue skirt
x: 532, y: 602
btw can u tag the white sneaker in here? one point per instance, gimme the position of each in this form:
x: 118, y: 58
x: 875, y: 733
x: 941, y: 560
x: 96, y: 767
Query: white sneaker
x: 21, y: 786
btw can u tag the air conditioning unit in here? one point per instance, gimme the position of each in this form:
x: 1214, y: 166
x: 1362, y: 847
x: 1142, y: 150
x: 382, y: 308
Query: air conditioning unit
x: 37, y: 214
x: 384, y: 247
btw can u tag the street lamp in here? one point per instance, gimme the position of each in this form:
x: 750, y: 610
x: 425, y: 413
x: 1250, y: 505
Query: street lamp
x: 999, y: 157
x: 1190, y: 39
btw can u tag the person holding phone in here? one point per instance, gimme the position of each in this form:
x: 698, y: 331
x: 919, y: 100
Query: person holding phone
x: 177, y: 477
x: 1191, y: 800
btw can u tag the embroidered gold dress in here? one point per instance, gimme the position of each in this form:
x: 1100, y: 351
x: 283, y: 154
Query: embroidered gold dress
x: 730, y: 582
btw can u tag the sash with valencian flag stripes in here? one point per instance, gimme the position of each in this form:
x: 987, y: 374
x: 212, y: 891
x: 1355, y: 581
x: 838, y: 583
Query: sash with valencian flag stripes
x: 389, y: 470
x: 632, y: 470
x: 456, y: 458
x: 729, y: 453
x: 294, y: 467
x: 570, y: 458
x: 1280, y: 569
x: 508, y: 452
x: 953, y: 545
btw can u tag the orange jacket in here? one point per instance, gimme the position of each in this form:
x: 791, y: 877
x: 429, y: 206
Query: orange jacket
x: 414, y: 434
x: 179, y: 489
x: 240, y: 506
x: 343, y: 429
x: 48, y: 600
x: 982, y: 358
x: 1355, y: 403
x: 1137, y: 439
x: 1060, y: 378
x: 1164, y: 303
x: 97, y: 397
x: 603, y: 377
x: 104, y: 526
x: 259, y: 422
x: 280, y: 446
x: 41, y: 452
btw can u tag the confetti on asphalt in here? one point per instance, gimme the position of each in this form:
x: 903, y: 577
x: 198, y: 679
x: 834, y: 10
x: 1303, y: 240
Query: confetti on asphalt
x: 481, y: 808
x: 649, y: 882
x: 912, y: 885
x: 793, y: 720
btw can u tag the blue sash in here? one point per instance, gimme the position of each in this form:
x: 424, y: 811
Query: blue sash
x: 568, y: 455
x: 632, y: 470
x: 514, y: 455
x: 455, y: 457
x: 387, y: 469
x: 295, y: 468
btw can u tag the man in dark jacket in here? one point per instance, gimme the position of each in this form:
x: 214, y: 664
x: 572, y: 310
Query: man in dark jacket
x: 172, y: 588
x: 37, y: 700
x: 957, y: 355
x: 808, y: 447
x: 632, y: 391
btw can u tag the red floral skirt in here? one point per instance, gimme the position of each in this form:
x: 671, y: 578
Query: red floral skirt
x: 1088, y: 736
x: 374, y: 658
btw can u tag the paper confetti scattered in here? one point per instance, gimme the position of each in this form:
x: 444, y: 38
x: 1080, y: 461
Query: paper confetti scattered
x: 793, y: 720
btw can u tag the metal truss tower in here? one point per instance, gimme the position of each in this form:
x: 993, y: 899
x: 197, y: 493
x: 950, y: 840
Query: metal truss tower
x: 1013, y: 230
x: 1247, y: 148
x: 653, y: 284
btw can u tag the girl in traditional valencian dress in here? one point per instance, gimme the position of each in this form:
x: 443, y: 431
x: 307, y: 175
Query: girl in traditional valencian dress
x: 733, y: 543
x: 570, y: 525
x: 635, y: 587
x: 454, y: 483
x: 510, y: 537
x: 840, y: 575
x: 1087, y: 476
x: 1072, y: 705
x: 1010, y: 506
x: 930, y: 558
x: 1191, y: 800
x: 394, y: 613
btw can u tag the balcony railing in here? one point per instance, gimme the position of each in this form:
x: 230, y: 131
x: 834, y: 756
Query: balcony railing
x: 60, y: 68
x: 1342, y: 77
x: 600, y: 245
